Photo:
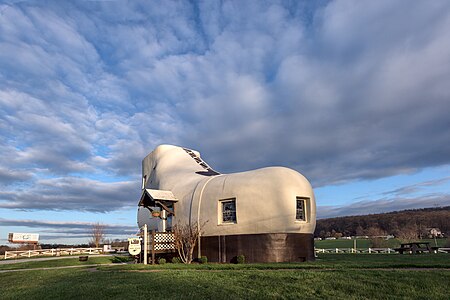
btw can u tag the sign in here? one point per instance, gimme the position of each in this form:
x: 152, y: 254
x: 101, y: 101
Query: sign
x: 134, y: 246
x: 31, y: 238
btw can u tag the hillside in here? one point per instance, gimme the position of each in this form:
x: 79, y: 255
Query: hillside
x: 414, y: 221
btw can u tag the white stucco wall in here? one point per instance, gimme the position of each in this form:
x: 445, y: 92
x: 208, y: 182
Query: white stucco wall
x: 265, y: 198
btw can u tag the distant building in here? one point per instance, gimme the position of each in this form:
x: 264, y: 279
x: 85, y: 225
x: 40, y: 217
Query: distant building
x: 434, y: 232
x: 23, y: 238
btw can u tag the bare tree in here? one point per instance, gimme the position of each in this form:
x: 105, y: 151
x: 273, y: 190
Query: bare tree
x: 186, y: 237
x: 97, y: 234
x: 408, y: 233
x: 376, y: 237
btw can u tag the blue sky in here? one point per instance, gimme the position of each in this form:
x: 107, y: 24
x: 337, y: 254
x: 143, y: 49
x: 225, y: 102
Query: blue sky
x: 354, y: 95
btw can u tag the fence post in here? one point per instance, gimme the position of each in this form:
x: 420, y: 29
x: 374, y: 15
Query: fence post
x: 370, y: 250
x: 145, y: 243
x: 153, y: 247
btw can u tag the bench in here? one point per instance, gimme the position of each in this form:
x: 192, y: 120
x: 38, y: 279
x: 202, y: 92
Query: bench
x: 414, y: 248
x: 401, y: 250
x: 435, y: 249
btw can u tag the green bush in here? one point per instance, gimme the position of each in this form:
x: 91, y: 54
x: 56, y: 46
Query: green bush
x: 121, y: 259
x: 161, y: 261
x: 203, y: 260
x: 176, y: 260
x: 240, y: 259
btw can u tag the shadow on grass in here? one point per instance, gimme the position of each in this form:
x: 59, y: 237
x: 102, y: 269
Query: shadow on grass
x: 324, y: 261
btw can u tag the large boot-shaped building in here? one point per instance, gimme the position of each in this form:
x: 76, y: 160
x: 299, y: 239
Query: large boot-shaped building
x: 267, y: 215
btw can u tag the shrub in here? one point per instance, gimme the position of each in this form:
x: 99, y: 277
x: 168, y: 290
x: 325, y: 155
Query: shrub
x: 378, y: 242
x: 176, y: 260
x: 121, y: 259
x: 161, y: 261
x: 240, y: 259
x: 203, y: 260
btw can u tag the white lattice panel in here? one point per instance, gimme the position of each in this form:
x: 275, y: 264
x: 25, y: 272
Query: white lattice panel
x: 164, y: 238
x: 159, y: 247
x: 164, y: 241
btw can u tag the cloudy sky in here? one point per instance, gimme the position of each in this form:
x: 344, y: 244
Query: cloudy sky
x: 355, y: 95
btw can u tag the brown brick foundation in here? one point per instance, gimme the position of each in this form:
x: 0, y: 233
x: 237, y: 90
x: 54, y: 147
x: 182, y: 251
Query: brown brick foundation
x: 269, y: 247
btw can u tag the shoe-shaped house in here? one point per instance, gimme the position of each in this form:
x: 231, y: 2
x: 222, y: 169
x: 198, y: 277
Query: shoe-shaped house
x: 267, y: 215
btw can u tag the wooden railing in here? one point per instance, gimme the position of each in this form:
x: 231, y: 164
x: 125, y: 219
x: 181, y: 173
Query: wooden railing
x: 160, y: 242
x: 52, y: 252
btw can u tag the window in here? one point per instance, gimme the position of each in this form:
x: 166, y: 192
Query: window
x: 300, y: 214
x: 144, y: 179
x: 228, y: 211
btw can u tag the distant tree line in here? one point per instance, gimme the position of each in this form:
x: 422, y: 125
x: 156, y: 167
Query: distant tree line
x: 406, y: 224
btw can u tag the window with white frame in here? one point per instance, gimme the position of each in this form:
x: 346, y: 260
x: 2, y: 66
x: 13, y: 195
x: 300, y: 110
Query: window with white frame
x: 228, y: 211
x: 300, y: 214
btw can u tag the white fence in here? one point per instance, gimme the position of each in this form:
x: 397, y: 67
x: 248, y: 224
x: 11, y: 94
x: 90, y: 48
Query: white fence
x: 357, y: 250
x: 369, y: 250
x: 52, y: 252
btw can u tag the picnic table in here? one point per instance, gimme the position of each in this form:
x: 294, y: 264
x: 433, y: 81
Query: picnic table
x: 414, y: 247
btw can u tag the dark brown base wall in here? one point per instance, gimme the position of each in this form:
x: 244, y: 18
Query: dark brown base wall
x: 270, y: 247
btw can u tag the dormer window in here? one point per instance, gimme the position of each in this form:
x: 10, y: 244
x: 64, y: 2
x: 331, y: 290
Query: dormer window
x: 144, y: 179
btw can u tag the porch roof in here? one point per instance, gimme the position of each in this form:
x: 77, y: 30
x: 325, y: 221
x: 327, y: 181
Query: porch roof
x: 157, y: 195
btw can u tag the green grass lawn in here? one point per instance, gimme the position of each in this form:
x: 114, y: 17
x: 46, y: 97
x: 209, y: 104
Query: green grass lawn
x: 331, y: 276
x: 237, y: 284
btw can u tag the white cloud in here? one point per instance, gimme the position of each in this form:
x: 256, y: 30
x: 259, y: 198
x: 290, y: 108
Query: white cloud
x: 54, y: 230
x: 351, y: 90
x: 72, y: 193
